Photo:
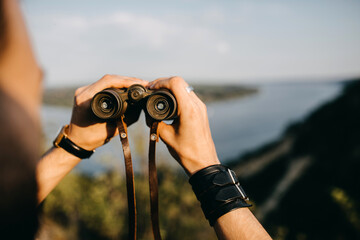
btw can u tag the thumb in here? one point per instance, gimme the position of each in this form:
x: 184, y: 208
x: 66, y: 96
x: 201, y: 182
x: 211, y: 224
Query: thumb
x: 166, y: 132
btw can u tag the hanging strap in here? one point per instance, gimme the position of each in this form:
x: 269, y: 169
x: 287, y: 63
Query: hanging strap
x: 153, y: 181
x: 122, y: 127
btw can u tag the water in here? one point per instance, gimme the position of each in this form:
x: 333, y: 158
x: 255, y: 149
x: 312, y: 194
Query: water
x: 237, y: 125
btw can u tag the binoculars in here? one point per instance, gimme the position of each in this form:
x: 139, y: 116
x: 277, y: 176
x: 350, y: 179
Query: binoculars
x: 112, y: 103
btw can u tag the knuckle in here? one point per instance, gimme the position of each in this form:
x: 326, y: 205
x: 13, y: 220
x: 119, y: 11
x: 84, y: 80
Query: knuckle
x: 192, y: 111
x: 172, y: 81
x: 176, y: 80
x: 78, y: 91
x: 107, y: 77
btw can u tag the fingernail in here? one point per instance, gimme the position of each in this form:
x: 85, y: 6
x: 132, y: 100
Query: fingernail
x: 151, y: 85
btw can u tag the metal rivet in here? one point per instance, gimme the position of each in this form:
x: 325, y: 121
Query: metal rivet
x: 123, y: 135
x: 153, y: 137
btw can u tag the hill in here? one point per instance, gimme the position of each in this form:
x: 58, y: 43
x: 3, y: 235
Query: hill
x: 306, y: 185
x: 64, y: 96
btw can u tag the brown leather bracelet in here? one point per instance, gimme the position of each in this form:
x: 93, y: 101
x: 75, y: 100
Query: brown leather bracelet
x: 62, y: 141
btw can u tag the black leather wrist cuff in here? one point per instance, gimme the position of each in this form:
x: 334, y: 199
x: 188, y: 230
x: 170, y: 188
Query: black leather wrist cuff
x: 220, y: 196
x: 228, y: 207
x: 202, y: 180
x: 218, y: 190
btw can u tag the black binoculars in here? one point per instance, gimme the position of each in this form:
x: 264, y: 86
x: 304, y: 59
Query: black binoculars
x: 112, y: 103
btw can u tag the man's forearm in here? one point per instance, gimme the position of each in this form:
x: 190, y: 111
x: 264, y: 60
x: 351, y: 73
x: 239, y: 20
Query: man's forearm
x: 240, y: 224
x: 52, y: 168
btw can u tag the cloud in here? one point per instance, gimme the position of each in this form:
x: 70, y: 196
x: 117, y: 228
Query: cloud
x: 84, y: 45
x: 154, y: 32
x: 213, y: 15
x: 142, y: 29
x: 223, y: 47
x: 233, y: 39
x: 76, y: 22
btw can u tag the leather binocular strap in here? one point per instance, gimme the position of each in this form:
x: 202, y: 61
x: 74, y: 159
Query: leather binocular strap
x: 122, y: 127
x: 153, y: 181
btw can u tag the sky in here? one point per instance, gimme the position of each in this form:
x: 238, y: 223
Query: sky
x: 204, y: 41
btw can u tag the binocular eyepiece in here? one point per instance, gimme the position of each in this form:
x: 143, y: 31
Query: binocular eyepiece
x: 112, y: 103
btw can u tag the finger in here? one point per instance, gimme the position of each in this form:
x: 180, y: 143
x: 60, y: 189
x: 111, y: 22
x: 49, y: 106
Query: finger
x: 111, y: 81
x: 106, y: 76
x: 153, y: 84
x: 80, y: 90
x: 197, y: 100
x: 199, y: 103
x: 116, y: 81
x: 156, y: 80
x: 177, y: 86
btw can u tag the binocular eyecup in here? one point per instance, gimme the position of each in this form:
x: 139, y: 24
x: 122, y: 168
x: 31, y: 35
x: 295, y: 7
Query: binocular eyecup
x: 112, y: 103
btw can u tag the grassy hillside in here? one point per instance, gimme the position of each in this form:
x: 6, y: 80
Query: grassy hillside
x: 92, y: 208
x: 84, y: 207
x: 306, y: 185
x: 64, y: 96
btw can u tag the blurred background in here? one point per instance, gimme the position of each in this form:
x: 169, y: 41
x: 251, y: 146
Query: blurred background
x: 281, y: 83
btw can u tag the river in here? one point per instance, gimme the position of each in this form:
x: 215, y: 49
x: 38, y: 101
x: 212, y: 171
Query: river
x: 237, y: 125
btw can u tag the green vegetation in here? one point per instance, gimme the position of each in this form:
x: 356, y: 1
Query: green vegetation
x: 95, y: 207
x: 64, y: 96
x: 210, y: 93
x: 306, y: 184
x: 84, y: 207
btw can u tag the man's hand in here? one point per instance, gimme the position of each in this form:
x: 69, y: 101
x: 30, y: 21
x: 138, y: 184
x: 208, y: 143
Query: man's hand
x: 188, y: 138
x: 85, y: 130
x: 88, y: 131
x: 190, y: 143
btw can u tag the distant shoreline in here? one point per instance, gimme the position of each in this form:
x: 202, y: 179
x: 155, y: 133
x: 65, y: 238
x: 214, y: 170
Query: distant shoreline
x: 208, y: 93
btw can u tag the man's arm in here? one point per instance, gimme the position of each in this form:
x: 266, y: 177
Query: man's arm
x: 85, y: 130
x: 54, y: 165
x: 240, y: 224
x: 190, y: 143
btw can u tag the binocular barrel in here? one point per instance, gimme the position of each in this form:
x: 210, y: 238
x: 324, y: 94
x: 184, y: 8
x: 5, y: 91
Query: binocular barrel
x: 112, y: 103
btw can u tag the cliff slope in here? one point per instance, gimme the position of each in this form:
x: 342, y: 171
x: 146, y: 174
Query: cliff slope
x: 306, y: 185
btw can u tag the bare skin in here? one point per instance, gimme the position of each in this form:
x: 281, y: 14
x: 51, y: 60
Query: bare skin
x: 85, y: 130
x: 20, y: 75
x: 188, y: 139
x: 190, y: 143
